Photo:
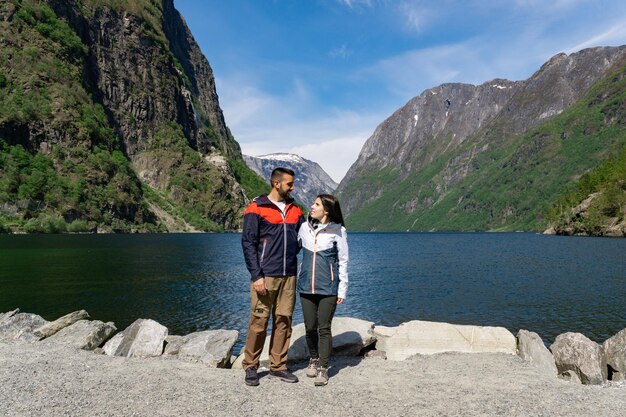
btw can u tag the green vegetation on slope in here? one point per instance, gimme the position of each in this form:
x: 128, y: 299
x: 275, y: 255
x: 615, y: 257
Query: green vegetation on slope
x: 608, y: 207
x: 77, y: 179
x: 251, y: 182
x: 62, y: 167
x: 189, y: 182
x: 509, y: 187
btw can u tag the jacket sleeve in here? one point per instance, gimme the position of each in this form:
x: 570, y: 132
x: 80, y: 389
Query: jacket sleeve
x: 342, y: 248
x: 250, y: 244
x: 301, y: 221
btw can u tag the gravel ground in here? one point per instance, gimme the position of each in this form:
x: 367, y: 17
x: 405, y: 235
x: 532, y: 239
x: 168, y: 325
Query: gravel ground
x: 38, y: 380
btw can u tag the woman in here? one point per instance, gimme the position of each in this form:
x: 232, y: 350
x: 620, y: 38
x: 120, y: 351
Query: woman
x: 322, y: 280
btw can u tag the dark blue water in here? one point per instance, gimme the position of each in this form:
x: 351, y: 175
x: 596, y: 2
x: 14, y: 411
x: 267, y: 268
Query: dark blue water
x: 190, y: 282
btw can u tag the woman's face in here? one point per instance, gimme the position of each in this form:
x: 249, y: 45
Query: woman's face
x: 317, y: 210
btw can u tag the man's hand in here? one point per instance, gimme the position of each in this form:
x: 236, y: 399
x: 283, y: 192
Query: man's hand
x: 339, y: 300
x: 259, y: 286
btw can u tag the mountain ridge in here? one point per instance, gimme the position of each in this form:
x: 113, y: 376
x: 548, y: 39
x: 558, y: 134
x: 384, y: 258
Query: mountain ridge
x: 425, y: 171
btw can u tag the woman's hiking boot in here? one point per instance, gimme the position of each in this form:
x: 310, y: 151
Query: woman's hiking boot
x: 321, y: 378
x: 311, y: 371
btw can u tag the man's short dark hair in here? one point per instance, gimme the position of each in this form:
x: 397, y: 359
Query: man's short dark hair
x: 277, y: 174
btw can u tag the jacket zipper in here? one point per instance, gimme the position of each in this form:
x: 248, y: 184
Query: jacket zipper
x: 284, y: 240
x: 313, y: 269
x: 332, y: 274
x: 263, y: 251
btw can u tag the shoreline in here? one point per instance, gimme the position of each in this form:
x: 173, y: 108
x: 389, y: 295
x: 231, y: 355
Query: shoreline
x: 425, y: 232
x: 56, y: 380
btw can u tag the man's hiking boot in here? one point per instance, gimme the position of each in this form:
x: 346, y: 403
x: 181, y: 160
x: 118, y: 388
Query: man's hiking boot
x: 311, y: 371
x: 321, y: 378
x: 252, y: 378
x: 284, y: 375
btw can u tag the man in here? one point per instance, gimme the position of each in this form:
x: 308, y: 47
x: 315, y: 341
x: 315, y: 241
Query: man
x: 270, y: 246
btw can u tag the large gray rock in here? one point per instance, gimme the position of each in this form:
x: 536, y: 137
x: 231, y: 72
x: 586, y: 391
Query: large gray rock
x: 19, y: 327
x: 615, y: 355
x: 8, y: 315
x: 51, y: 328
x: 144, y: 338
x: 426, y: 338
x: 83, y: 334
x: 575, y: 352
x: 210, y: 347
x: 532, y: 349
x: 112, y: 344
x: 350, y: 336
x: 173, y: 344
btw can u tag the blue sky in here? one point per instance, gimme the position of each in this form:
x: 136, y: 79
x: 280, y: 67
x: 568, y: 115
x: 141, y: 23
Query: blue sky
x: 315, y: 77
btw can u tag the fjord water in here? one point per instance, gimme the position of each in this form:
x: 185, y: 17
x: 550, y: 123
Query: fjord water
x: 191, y: 282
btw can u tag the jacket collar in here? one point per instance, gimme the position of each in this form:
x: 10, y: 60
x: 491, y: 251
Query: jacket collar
x: 332, y: 227
x: 263, y: 200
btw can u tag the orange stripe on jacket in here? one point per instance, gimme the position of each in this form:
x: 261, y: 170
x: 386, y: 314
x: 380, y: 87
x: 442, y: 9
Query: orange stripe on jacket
x: 273, y: 215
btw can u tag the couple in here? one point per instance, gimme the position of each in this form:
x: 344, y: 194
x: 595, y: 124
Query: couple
x: 274, y: 230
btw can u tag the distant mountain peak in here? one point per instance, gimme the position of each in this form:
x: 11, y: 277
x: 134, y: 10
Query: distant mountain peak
x: 281, y: 156
x: 311, y: 179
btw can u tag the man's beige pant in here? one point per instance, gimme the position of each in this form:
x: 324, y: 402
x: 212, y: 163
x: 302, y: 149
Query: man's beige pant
x: 279, y: 301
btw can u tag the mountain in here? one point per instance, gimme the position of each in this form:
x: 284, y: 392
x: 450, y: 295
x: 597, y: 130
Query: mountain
x: 491, y: 157
x: 110, y: 121
x: 311, y: 180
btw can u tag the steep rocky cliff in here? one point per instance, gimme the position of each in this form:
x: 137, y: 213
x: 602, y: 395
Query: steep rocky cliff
x: 311, y: 180
x: 454, y: 157
x: 154, y: 103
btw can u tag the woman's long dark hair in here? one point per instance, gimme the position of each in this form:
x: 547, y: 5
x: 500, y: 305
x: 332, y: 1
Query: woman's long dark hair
x: 332, y: 207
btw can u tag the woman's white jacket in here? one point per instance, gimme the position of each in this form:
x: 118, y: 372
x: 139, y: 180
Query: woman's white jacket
x: 324, y: 267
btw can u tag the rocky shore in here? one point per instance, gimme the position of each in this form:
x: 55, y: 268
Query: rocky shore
x: 77, y: 366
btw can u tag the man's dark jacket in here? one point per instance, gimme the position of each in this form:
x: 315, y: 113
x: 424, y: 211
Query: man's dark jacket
x: 270, y: 238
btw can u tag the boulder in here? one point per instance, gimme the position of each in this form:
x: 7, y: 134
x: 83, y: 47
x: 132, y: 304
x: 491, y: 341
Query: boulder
x: 143, y: 338
x: 83, y: 334
x: 112, y: 344
x: 615, y: 355
x: 532, y: 349
x: 350, y: 336
x: 173, y: 344
x: 575, y: 352
x: 210, y: 347
x: 19, y: 327
x: 426, y: 337
x: 51, y: 328
x: 8, y: 315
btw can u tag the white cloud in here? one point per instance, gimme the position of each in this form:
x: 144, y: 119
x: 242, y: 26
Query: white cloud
x: 408, y: 74
x: 616, y: 35
x: 415, y: 15
x: 264, y: 123
x: 354, y: 3
x: 547, y: 5
x: 341, y: 52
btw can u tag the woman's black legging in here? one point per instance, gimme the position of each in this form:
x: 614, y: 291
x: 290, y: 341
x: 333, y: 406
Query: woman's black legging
x: 318, y: 311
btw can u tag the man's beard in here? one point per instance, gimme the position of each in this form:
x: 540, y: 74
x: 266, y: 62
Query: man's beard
x: 284, y: 194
